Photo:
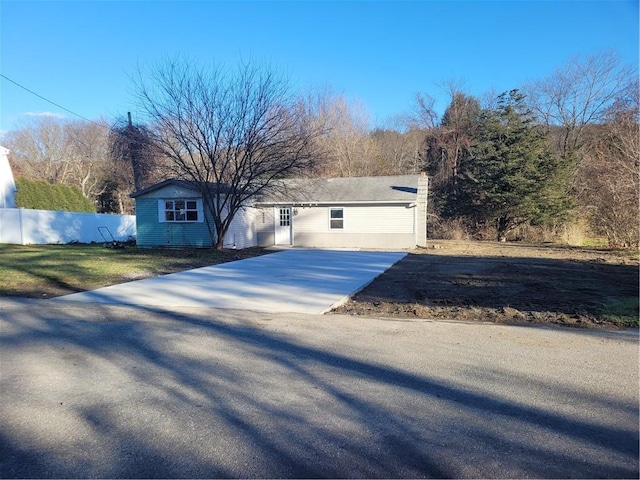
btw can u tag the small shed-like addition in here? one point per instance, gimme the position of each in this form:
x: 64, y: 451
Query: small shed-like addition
x: 172, y: 214
x: 387, y: 212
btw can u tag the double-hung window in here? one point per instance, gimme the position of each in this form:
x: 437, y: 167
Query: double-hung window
x: 336, y: 218
x: 182, y: 210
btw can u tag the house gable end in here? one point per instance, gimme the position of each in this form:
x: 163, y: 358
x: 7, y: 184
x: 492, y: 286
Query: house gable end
x: 172, y: 191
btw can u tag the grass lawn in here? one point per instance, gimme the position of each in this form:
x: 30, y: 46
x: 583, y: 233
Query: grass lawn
x: 41, y: 271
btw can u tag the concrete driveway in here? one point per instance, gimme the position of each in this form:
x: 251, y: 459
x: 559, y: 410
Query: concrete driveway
x: 297, y: 280
x: 111, y: 391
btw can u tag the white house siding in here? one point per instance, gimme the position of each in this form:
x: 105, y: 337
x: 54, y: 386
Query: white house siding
x: 386, y: 241
x: 7, y: 184
x: 357, y: 219
x: 383, y: 219
x: 421, y: 210
x: 242, y: 231
x: 264, y: 225
x: 365, y: 226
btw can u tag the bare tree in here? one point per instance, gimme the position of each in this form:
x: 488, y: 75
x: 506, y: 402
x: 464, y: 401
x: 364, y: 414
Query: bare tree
x: 610, y: 173
x: 87, y: 156
x: 457, y: 129
x: 347, y: 146
x: 70, y: 152
x: 589, y: 106
x: 449, y: 145
x: 578, y: 94
x: 399, y: 152
x: 40, y: 149
x: 232, y: 133
x: 425, y: 112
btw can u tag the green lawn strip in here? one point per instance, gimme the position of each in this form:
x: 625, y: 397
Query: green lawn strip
x: 49, y: 270
x: 624, y: 312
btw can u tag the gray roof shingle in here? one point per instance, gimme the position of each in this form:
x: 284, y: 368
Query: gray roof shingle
x: 398, y: 188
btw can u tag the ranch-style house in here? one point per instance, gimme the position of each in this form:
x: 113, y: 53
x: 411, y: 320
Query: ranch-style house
x: 386, y: 212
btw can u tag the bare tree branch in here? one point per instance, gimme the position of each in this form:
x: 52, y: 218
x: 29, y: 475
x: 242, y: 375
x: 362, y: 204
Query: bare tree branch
x: 578, y: 94
x: 231, y: 133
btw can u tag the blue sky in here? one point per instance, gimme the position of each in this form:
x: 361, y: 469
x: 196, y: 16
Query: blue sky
x: 82, y: 54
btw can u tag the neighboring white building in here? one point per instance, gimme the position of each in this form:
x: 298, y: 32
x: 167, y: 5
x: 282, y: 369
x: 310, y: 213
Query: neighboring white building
x: 7, y: 183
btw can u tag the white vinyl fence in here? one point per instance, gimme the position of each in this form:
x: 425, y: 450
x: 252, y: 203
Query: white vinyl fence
x: 24, y: 226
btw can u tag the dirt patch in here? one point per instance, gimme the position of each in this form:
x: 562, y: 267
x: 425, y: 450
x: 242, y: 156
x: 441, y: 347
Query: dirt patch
x: 508, y: 283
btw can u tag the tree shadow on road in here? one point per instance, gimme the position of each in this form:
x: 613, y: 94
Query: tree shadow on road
x: 143, y: 393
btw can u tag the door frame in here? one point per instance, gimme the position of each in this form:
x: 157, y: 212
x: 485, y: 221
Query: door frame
x: 283, y: 220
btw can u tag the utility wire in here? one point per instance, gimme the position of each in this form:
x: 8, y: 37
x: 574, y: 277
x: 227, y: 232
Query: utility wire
x: 46, y: 99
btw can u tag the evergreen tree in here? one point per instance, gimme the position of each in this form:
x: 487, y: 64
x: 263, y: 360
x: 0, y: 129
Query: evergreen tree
x: 40, y: 195
x: 513, y: 178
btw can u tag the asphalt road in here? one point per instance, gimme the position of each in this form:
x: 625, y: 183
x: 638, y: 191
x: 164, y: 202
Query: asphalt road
x: 97, y: 391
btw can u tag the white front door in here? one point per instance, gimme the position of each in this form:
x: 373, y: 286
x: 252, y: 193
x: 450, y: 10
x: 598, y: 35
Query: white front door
x: 284, y: 226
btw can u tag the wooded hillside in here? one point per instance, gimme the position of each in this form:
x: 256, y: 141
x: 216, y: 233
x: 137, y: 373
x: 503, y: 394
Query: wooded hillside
x: 556, y: 159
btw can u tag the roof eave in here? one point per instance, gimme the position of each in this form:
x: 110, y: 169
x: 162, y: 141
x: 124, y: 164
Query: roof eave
x: 153, y: 188
x: 336, y: 202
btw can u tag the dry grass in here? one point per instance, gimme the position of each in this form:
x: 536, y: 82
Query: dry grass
x: 51, y: 270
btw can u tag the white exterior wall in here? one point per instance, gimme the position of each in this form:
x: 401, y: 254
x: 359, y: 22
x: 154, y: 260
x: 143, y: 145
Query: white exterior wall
x: 357, y: 219
x: 365, y: 226
x: 26, y: 226
x: 7, y: 183
x: 242, y: 231
x: 265, y: 226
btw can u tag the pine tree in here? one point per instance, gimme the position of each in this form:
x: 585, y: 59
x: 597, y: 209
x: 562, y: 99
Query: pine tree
x: 513, y: 178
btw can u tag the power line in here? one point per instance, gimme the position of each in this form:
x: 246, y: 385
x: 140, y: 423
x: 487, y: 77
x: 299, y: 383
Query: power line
x: 46, y: 99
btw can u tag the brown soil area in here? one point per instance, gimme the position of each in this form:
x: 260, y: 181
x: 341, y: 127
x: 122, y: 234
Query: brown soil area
x: 509, y: 283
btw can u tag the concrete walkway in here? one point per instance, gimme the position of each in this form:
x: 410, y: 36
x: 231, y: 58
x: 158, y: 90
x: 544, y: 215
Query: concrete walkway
x: 298, y: 281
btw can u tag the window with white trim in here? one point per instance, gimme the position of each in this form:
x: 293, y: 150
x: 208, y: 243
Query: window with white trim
x: 182, y: 210
x: 336, y: 218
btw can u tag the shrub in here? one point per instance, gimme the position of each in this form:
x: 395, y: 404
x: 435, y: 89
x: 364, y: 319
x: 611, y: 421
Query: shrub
x: 447, y: 229
x: 40, y: 195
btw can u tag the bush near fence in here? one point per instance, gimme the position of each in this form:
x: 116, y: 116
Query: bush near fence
x: 40, y: 195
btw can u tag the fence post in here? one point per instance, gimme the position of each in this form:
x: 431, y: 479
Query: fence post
x: 21, y: 229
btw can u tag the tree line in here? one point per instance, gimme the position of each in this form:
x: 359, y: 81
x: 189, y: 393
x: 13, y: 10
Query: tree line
x: 544, y: 158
